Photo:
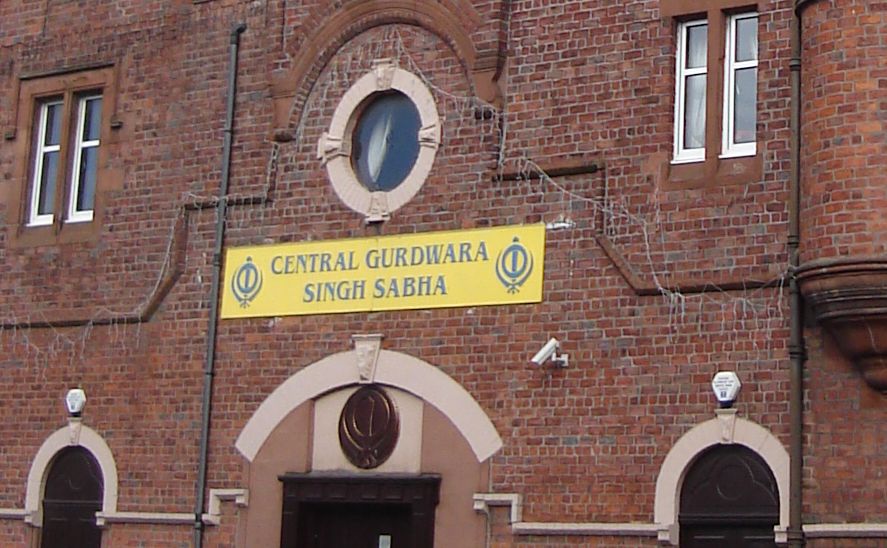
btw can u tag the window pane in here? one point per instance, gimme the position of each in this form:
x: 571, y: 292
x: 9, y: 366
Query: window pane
x: 744, y: 110
x: 88, y: 168
x: 385, y: 143
x: 694, y: 112
x: 697, y: 46
x: 53, y: 124
x: 92, y: 119
x: 48, y: 175
x: 747, y: 39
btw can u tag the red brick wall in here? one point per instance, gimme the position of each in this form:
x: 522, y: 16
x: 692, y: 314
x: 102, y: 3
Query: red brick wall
x: 845, y: 442
x: 844, y: 542
x: 585, y: 82
x: 130, y: 535
x: 844, y: 150
x: 13, y: 534
x: 843, y: 132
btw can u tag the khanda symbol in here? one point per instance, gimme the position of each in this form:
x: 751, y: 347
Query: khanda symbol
x: 246, y: 283
x: 514, y: 265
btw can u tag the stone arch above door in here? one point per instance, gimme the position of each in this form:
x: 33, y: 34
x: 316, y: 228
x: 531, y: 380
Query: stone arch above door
x: 726, y: 428
x: 393, y: 369
x: 74, y: 435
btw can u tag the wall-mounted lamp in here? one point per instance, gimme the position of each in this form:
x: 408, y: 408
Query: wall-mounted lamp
x: 726, y: 387
x: 75, y: 400
x: 551, y: 351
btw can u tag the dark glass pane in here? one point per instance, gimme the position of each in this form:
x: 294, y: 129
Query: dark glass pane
x: 92, y: 119
x: 53, y: 124
x: 88, y: 168
x: 385, y: 143
x: 694, y: 112
x: 747, y: 39
x: 697, y: 46
x: 744, y: 108
x: 48, y: 176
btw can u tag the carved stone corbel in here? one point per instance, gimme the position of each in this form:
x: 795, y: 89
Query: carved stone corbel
x: 378, y: 210
x: 384, y: 71
x: 848, y: 297
x: 367, y: 348
x: 74, y: 426
x: 727, y: 422
x: 330, y: 146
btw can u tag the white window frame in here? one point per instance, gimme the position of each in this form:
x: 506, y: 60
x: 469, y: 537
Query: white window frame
x: 730, y: 148
x: 682, y: 154
x: 80, y: 215
x: 34, y: 216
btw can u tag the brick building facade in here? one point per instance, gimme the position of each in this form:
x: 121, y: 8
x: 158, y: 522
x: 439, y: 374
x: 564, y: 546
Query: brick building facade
x: 709, y: 180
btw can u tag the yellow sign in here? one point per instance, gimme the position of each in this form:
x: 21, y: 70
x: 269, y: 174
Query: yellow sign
x: 492, y: 266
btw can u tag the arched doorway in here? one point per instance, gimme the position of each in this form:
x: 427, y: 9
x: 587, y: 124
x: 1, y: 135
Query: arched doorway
x: 729, y: 499
x: 73, y: 495
x: 299, y: 473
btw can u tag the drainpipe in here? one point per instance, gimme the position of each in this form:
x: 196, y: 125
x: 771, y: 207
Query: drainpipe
x: 210, y: 358
x: 796, y: 349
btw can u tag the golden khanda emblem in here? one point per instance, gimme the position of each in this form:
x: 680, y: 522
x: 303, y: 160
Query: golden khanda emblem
x: 369, y: 427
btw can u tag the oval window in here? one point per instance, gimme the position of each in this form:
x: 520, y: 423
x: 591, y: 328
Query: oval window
x: 385, y: 142
x: 382, y: 141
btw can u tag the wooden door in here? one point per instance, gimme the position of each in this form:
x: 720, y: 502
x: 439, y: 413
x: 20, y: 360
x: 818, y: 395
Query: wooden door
x: 356, y: 526
x: 73, y: 495
x: 377, y: 511
x: 729, y: 499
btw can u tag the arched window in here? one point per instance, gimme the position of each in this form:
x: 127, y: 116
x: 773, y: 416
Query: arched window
x: 729, y: 498
x: 72, y: 496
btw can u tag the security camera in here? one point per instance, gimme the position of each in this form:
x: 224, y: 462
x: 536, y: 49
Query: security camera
x: 549, y: 351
